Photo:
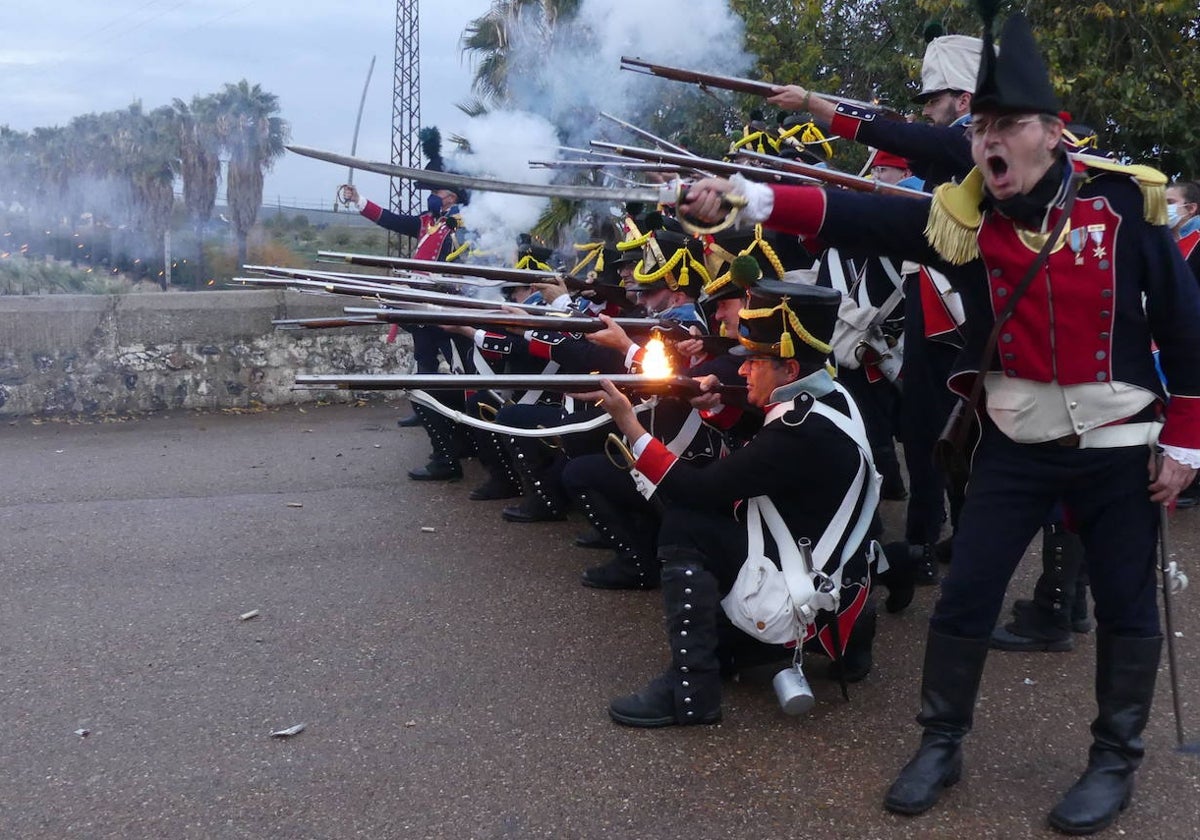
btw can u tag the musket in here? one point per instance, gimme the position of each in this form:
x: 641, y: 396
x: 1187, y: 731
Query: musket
x: 830, y: 176
x: 378, y: 291
x: 672, y: 193
x: 677, y: 386
x: 668, y: 330
x: 646, y: 135
x: 632, y: 165
x: 322, y: 323
x: 735, y: 84
x: 315, y: 274
x: 707, y: 165
x: 512, y: 276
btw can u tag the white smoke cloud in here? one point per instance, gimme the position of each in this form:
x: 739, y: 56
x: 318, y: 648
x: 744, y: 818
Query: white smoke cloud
x: 559, y: 84
x: 502, y: 144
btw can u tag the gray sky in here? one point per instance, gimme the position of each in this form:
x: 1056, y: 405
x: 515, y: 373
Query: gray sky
x: 62, y: 58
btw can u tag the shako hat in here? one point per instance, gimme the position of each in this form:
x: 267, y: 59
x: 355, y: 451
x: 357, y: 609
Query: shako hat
x: 882, y: 158
x: 788, y: 321
x: 1016, y: 81
x: 744, y: 272
x: 951, y: 63
x: 680, y: 266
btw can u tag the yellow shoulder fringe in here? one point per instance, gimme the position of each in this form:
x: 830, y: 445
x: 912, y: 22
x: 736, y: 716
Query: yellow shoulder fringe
x: 954, y: 216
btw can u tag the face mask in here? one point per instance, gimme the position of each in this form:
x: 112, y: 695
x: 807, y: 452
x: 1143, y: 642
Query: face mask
x: 434, y: 204
x: 1172, y: 215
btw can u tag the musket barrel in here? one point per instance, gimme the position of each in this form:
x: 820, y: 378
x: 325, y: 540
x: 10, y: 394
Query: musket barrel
x: 830, y: 176
x: 519, y: 276
x: 558, y: 383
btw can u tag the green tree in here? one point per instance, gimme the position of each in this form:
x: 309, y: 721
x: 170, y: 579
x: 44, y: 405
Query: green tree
x: 200, y: 165
x: 254, y: 137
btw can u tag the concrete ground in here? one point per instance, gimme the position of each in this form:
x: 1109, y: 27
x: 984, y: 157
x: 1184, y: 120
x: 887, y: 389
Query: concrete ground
x: 452, y: 674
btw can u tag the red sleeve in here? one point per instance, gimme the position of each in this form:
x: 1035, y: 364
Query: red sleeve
x: 1183, y: 422
x: 372, y: 211
x: 656, y: 461
x: 723, y: 418
x: 798, y: 210
x: 845, y: 125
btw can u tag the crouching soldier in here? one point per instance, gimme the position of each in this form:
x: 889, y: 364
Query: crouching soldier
x: 808, y: 473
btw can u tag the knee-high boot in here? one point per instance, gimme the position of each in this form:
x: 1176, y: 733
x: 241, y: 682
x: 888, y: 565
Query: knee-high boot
x: 949, y: 684
x: 689, y: 691
x: 1125, y: 673
x: 632, y: 539
x: 443, y: 463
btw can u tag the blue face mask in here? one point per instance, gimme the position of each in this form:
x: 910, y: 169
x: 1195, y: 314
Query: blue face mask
x: 1172, y: 215
x: 434, y: 203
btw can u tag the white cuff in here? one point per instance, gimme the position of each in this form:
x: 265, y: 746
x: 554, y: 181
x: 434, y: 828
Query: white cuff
x: 1182, y: 455
x: 630, y: 353
x: 639, y: 445
x: 760, y: 201
x: 561, y: 303
x: 361, y: 203
x: 478, y: 338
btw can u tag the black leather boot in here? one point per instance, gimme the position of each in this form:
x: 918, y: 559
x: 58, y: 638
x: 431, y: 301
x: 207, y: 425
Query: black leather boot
x: 502, y: 481
x: 1125, y: 673
x: 443, y: 464
x: 532, y: 461
x: 1081, y: 618
x: 635, y: 566
x: 1044, y: 623
x: 689, y: 691
x: 949, y: 684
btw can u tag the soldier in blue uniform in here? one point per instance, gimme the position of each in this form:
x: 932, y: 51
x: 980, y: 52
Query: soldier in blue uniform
x: 1073, y: 401
x: 784, y: 338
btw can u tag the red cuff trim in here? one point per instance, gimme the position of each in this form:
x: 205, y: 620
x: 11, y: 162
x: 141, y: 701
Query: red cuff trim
x: 638, y: 357
x: 798, y: 210
x: 1183, y: 423
x: 656, y: 461
x: 539, y: 350
x: 372, y: 211
x: 723, y: 418
x: 844, y: 125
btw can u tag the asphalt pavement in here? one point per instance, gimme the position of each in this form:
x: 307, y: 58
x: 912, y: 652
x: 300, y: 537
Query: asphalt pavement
x: 451, y: 674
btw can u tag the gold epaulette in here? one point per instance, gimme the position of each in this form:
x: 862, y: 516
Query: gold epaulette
x: 1150, y: 181
x: 954, y: 219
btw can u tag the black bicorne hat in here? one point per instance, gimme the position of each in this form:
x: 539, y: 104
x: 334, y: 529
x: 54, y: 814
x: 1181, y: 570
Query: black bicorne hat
x: 1016, y: 81
x: 744, y: 272
x: 682, y: 266
x: 788, y: 321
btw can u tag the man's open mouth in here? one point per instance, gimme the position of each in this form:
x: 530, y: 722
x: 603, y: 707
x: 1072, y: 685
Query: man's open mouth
x: 997, y: 165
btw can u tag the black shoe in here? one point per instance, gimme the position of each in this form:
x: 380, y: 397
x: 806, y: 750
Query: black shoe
x: 1003, y: 638
x: 592, y: 539
x: 620, y: 574
x: 494, y: 488
x: 529, y: 512
x: 436, y: 471
x: 409, y: 422
x: 856, y: 662
x: 654, y: 706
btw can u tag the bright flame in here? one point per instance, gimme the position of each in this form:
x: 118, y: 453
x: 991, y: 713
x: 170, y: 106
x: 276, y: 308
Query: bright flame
x: 655, y: 363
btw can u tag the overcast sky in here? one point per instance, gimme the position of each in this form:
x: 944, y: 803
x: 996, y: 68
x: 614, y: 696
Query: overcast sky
x: 62, y: 58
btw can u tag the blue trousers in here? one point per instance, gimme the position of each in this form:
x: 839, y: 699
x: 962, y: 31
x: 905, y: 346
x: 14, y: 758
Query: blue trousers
x: 1012, y: 491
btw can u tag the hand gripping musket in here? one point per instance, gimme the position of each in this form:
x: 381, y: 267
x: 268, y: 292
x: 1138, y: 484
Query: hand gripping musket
x: 667, y: 330
x: 673, y: 193
x: 735, y: 84
x: 676, y: 386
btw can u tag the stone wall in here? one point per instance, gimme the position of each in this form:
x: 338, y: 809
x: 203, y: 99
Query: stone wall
x: 93, y: 356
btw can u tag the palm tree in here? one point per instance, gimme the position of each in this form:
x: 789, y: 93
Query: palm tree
x: 507, y: 29
x: 254, y: 137
x: 200, y: 165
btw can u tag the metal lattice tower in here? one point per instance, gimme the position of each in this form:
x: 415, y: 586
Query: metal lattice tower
x: 406, y: 115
